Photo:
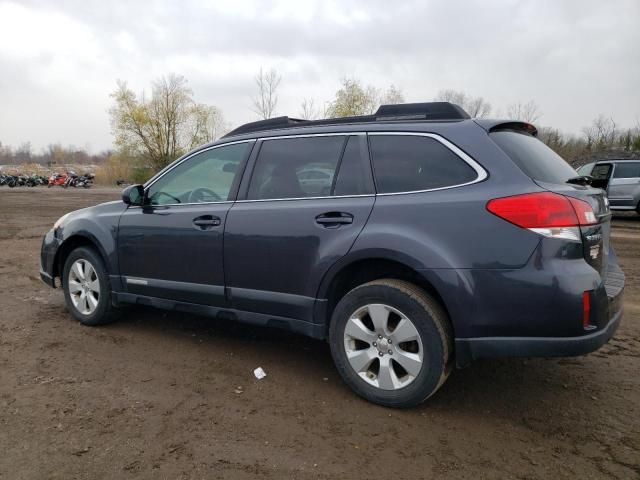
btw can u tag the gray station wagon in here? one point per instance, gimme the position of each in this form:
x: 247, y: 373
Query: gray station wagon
x: 619, y: 178
x: 412, y: 240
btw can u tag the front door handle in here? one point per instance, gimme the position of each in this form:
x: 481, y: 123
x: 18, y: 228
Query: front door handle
x: 334, y: 219
x: 206, y: 222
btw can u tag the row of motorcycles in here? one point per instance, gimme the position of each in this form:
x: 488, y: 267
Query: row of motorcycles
x: 65, y: 180
x: 22, y: 180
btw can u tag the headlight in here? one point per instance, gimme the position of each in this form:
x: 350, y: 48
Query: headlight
x: 60, y: 221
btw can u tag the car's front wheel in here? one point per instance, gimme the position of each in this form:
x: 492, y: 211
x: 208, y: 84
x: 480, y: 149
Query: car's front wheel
x: 87, y: 291
x: 391, y: 342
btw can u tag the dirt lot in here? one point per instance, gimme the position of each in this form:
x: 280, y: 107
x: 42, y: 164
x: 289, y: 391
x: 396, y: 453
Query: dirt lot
x: 154, y: 396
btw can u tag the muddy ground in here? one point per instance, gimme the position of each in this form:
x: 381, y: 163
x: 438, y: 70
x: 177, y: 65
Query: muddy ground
x: 154, y: 396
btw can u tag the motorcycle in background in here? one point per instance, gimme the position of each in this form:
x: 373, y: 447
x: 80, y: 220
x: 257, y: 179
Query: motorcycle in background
x: 57, y: 179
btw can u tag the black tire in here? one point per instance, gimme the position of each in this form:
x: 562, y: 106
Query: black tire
x: 428, y: 318
x: 104, y: 312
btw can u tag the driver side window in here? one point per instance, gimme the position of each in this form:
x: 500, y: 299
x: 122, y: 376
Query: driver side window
x: 205, y: 177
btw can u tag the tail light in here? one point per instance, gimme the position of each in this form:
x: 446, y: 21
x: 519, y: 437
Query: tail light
x: 545, y: 213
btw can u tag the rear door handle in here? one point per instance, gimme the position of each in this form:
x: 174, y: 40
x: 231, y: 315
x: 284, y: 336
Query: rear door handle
x: 206, y: 222
x: 334, y: 219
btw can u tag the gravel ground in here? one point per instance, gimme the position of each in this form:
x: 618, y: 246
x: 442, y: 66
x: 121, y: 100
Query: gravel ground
x: 169, y: 395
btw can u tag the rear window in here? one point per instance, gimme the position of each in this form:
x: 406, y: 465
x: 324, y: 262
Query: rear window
x: 413, y: 163
x: 533, y: 157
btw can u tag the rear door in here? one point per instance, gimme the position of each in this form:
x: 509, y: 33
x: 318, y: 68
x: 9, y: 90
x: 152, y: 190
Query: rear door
x: 624, y: 185
x: 304, y: 203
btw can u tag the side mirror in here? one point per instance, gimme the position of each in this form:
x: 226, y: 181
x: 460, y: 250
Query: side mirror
x: 133, y: 195
x: 230, y: 167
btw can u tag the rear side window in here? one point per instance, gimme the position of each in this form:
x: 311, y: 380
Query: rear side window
x: 533, y: 157
x: 306, y: 167
x: 407, y: 163
x: 627, y: 170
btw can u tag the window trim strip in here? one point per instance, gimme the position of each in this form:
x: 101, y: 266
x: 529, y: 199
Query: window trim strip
x: 480, y: 171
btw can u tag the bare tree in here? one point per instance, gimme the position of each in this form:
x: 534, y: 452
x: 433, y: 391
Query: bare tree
x: 601, y: 134
x: 392, y: 96
x: 165, y: 126
x: 266, y: 101
x: 525, y: 112
x: 308, y: 109
x: 476, y: 107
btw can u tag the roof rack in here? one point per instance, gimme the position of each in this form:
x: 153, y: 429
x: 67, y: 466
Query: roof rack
x: 444, y: 111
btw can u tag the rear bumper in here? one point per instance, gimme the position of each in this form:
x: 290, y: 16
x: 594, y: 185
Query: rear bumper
x: 470, y: 349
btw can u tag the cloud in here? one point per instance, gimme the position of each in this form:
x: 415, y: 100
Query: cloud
x: 60, y: 60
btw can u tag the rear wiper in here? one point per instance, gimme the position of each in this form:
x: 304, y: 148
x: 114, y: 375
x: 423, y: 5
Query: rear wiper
x: 581, y: 180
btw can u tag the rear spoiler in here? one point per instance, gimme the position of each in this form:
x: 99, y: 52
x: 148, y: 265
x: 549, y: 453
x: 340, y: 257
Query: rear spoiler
x: 493, y: 125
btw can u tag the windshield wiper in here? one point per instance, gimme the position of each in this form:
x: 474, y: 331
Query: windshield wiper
x: 581, y: 180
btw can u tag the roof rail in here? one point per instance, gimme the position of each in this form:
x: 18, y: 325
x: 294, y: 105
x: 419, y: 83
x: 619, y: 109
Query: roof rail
x: 426, y: 111
x: 443, y: 111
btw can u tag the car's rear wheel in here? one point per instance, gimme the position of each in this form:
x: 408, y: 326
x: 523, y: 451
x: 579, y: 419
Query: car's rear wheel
x: 391, y: 342
x: 87, y: 291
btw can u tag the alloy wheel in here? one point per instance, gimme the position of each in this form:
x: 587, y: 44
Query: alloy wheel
x: 383, y: 346
x: 84, y: 286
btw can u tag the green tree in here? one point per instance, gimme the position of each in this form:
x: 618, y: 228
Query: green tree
x: 353, y: 99
x: 160, y: 129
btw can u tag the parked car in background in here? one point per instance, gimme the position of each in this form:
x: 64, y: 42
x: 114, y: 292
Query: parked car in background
x: 619, y: 178
x: 413, y: 240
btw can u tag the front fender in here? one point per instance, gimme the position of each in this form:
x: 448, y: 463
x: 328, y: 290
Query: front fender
x: 99, y: 225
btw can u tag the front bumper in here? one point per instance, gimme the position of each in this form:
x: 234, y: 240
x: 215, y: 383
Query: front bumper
x: 50, y: 245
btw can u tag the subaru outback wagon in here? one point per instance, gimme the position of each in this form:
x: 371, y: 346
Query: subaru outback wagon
x: 413, y: 240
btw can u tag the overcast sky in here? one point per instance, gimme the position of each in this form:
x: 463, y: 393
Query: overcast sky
x: 59, y: 60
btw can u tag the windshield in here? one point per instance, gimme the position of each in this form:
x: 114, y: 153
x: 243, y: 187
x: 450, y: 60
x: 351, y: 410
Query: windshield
x: 586, y: 169
x: 533, y: 157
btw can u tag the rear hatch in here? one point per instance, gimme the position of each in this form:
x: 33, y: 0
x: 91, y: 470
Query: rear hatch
x: 553, y: 173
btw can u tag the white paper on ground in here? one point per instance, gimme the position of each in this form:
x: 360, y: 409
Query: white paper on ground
x: 259, y: 373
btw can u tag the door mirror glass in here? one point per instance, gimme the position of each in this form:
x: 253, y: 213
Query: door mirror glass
x: 133, y: 195
x: 230, y: 167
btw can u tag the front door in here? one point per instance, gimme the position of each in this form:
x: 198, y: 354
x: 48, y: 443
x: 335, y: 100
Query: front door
x: 172, y: 246
x: 307, y: 200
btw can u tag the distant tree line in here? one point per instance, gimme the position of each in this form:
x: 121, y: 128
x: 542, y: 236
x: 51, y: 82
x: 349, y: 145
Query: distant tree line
x: 52, y: 156
x: 152, y: 130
